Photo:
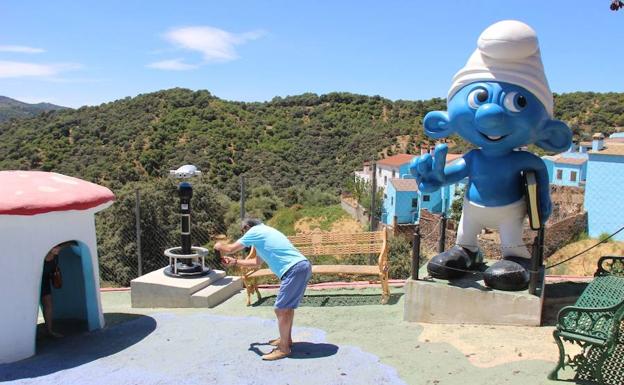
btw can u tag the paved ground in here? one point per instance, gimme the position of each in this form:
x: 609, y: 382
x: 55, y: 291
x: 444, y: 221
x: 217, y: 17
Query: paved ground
x: 344, y: 337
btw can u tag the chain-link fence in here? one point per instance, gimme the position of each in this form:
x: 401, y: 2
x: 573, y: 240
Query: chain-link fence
x: 145, y: 221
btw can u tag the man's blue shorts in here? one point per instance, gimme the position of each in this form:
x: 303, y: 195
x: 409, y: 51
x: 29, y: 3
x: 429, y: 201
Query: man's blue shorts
x: 293, y: 285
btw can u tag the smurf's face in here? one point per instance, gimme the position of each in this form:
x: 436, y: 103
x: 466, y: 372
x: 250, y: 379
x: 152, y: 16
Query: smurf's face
x: 496, y: 116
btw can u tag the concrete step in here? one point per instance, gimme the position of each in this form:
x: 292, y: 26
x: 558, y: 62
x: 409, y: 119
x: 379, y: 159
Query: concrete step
x: 217, y: 292
x: 155, y: 289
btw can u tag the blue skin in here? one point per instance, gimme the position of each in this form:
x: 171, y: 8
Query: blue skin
x: 497, y: 117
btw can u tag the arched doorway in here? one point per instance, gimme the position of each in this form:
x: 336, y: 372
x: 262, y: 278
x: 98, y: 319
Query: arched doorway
x: 75, y: 304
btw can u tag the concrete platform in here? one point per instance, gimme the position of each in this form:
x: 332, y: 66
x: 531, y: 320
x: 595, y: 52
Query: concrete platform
x: 155, y: 289
x: 468, y: 301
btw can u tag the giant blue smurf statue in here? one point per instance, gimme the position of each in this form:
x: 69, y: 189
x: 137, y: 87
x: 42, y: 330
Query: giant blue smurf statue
x: 499, y: 102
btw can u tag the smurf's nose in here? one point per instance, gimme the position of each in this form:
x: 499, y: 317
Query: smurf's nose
x: 490, y: 115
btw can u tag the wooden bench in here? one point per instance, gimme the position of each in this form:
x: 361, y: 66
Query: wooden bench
x: 338, y: 245
x: 594, y: 321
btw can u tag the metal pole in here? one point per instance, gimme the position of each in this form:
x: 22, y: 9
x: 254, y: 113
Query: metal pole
x: 442, y: 241
x: 416, y: 252
x: 373, y: 198
x: 137, y: 219
x: 537, y: 259
x: 242, y: 197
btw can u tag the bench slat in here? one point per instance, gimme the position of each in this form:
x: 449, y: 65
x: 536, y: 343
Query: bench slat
x: 343, y: 249
x: 328, y: 269
x: 329, y: 238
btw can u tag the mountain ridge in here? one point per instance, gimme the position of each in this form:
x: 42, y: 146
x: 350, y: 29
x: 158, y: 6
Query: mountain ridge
x: 12, y: 108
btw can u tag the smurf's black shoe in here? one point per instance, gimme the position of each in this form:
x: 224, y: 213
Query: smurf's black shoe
x: 449, y: 264
x: 509, y: 274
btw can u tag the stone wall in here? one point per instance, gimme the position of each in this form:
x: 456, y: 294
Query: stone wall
x: 356, y: 211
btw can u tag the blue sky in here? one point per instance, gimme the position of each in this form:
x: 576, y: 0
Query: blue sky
x: 78, y: 53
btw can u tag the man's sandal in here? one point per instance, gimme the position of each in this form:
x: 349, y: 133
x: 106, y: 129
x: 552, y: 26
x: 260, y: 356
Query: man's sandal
x: 276, y: 354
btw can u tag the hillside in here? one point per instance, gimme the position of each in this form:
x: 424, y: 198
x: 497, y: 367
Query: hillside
x: 305, y: 140
x: 583, y: 265
x: 11, y: 108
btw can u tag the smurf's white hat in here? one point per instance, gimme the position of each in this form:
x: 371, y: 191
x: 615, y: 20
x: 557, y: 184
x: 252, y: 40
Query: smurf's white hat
x: 508, y: 52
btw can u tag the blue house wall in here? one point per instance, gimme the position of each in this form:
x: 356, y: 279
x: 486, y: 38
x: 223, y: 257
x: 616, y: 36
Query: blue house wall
x: 549, y: 167
x: 389, y: 206
x: 566, y: 173
x: 399, y: 204
x: 603, y: 198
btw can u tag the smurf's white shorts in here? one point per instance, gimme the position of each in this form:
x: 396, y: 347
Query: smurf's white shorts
x: 508, y: 220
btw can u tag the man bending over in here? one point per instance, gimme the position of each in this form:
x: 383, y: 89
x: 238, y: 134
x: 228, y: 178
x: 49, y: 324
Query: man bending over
x: 285, y: 261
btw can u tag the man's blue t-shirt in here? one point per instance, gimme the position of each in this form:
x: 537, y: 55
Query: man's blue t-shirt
x: 273, y: 247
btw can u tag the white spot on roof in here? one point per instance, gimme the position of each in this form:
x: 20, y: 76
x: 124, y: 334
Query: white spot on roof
x: 21, y: 175
x: 19, y: 192
x: 47, y: 189
x: 62, y: 179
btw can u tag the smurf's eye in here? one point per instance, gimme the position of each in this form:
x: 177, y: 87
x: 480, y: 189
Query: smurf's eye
x: 515, y: 102
x: 477, y: 97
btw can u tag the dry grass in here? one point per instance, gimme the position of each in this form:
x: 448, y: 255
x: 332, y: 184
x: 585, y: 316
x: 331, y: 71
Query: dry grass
x: 585, y: 264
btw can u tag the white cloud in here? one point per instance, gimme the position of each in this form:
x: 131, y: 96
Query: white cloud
x: 20, y: 49
x: 173, y: 65
x: 14, y: 69
x: 214, y: 44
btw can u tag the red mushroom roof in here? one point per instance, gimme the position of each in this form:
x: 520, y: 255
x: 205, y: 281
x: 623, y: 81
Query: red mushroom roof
x: 38, y: 192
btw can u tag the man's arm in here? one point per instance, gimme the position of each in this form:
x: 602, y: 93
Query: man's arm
x: 230, y: 248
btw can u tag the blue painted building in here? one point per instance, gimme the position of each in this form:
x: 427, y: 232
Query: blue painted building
x: 605, y: 178
x: 568, y: 168
x: 402, y: 199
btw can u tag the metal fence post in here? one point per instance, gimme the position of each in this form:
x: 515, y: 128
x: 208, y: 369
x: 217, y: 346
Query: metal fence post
x: 537, y: 259
x: 242, y: 197
x: 137, y: 216
x: 416, y: 252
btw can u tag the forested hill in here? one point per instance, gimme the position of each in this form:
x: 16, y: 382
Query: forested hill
x: 305, y: 140
x: 11, y: 108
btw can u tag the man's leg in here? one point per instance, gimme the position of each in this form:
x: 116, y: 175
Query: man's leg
x: 284, y: 323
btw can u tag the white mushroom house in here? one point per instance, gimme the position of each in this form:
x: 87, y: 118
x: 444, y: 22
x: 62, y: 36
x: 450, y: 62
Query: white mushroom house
x: 39, y: 210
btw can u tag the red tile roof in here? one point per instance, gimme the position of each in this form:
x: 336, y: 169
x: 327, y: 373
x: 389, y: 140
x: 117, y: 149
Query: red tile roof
x: 404, y: 184
x: 396, y: 160
x: 573, y: 161
x: 401, y: 159
x: 612, y: 149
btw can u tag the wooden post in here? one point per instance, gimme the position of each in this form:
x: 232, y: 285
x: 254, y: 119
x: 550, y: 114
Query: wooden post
x: 442, y: 241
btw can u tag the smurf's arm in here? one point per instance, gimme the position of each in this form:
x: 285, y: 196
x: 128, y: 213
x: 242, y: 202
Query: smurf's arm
x: 430, y: 171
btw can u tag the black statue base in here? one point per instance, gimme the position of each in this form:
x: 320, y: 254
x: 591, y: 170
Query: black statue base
x: 186, y: 270
x: 509, y: 274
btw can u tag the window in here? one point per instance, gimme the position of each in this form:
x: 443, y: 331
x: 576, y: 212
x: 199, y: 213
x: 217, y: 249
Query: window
x: 393, y: 173
x: 379, y: 171
x: 415, y: 203
x: 559, y: 174
x: 385, y: 179
x: 425, y: 198
x: 573, y: 176
x: 391, y: 201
